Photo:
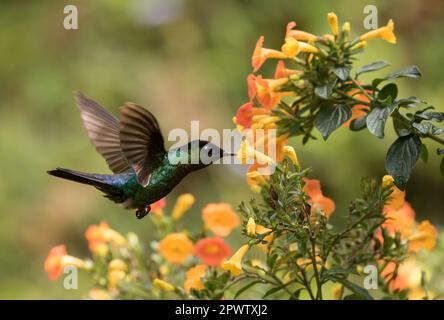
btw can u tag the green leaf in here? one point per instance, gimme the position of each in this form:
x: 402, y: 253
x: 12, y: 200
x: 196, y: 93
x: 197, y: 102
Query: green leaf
x: 324, y: 91
x: 329, y: 119
x: 409, y: 102
x: 424, y: 153
x: 423, y: 127
x: 273, y: 290
x: 389, y: 90
x: 245, y: 288
x: 358, y: 123
x: 342, y: 72
x: 354, y: 288
x: 408, y: 72
x: 376, y: 120
x: 353, y: 296
x: 402, y: 157
x: 372, y: 67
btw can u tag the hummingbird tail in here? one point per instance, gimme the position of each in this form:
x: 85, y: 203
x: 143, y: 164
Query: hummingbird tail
x: 112, y: 192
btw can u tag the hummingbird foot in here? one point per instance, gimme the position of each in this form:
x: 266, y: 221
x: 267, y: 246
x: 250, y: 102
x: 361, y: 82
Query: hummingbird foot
x: 142, y: 212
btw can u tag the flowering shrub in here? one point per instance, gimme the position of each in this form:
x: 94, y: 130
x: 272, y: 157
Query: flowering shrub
x: 291, y: 249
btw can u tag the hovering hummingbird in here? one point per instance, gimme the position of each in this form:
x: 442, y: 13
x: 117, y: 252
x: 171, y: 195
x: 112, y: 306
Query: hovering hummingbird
x: 134, y: 150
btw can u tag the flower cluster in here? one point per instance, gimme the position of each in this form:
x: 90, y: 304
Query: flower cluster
x: 122, y: 267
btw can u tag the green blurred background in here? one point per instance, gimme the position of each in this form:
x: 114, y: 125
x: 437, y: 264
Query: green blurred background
x: 184, y: 60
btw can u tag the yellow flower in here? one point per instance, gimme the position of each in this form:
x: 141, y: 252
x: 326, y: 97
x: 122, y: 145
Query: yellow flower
x: 176, y: 248
x: 332, y: 19
x: 385, y: 33
x: 424, y: 237
x: 251, y: 227
x: 337, y: 291
x: 193, y: 278
x: 234, y: 264
x: 163, y: 285
x: 397, y: 197
x: 183, y: 204
x: 267, y: 239
x: 289, y: 152
x: 346, y: 27
x: 220, y: 218
x: 164, y: 269
x: 99, y: 294
x: 97, y: 235
x: 291, y: 47
x: 359, y: 45
x: 307, y: 264
x: 117, y: 264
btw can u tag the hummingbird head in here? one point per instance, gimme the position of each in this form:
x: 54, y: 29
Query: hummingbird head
x: 199, y: 154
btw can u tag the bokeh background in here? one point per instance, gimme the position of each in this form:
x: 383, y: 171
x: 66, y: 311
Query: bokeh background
x: 184, y: 60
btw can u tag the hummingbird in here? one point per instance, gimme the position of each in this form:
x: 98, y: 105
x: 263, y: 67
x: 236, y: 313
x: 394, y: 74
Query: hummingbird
x: 133, y: 147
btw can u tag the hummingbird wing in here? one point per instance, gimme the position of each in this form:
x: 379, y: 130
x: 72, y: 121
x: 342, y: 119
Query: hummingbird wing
x: 141, y: 140
x: 103, y: 131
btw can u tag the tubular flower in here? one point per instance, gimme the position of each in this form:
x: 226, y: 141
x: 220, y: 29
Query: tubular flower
x: 424, y: 237
x: 255, y: 179
x: 57, y: 259
x: 212, y: 251
x: 157, y: 207
x: 298, y: 34
x: 176, y: 248
x: 247, y: 152
x: 346, y: 27
x: 234, y: 264
x: 193, y: 278
x: 266, y: 240
x: 265, y: 90
x: 408, y: 276
x: 385, y: 33
x: 313, y: 189
x: 290, y: 153
x: 102, y: 234
x: 360, y: 45
x: 163, y: 285
x: 245, y: 113
x: 397, y: 197
x: 117, y: 269
x: 291, y: 47
x: 332, y: 19
x: 220, y: 218
x: 183, y: 204
x: 260, y: 54
x: 337, y: 291
x: 282, y: 72
x: 251, y: 227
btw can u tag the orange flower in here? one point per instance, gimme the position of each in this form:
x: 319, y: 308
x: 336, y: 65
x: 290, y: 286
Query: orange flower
x: 265, y: 90
x: 212, y: 251
x: 157, y: 207
x: 402, y: 220
x: 358, y: 110
x: 282, y: 72
x: 424, y: 237
x: 220, y: 218
x: 98, y: 235
x: 408, y: 276
x: 298, y: 34
x: 176, y: 248
x: 313, y: 189
x: 397, y: 196
x: 260, y: 54
x: 57, y: 259
x: 193, y: 278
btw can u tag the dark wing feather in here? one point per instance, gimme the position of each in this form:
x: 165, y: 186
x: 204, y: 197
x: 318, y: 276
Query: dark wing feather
x: 103, y: 131
x: 141, y: 140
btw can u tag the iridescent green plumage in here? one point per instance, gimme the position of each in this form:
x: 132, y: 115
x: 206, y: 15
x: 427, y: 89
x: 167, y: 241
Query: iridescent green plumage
x: 144, y: 172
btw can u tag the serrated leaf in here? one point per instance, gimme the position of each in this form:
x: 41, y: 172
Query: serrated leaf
x: 342, y: 72
x: 329, y: 119
x: 402, y: 157
x: 372, y: 67
x: 376, y: 120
